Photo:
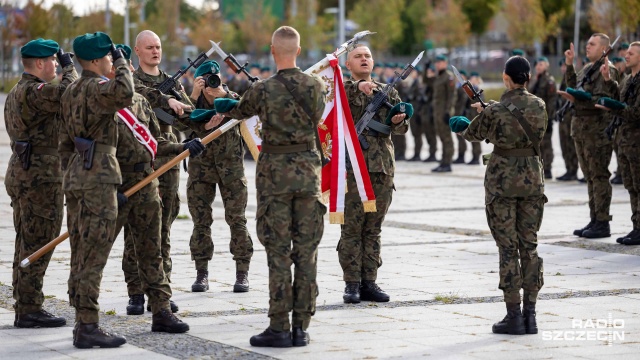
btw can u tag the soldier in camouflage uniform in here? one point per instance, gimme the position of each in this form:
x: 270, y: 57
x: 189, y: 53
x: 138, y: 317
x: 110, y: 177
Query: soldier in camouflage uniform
x: 400, y: 140
x: 593, y: 146
x: 87, y: 147
x: 147, y: 77
x: 136, y: 149
x: 544, y: 87
x: 33, y: 179
x: 628, y: 138
x: 462, y: 104
x: 443, y: 94
x: 420, y: 124
x: 514, y: 191
x: 290, y: 213
x: 567, y: 145
x: 222, y: 165
x: 360, y: 245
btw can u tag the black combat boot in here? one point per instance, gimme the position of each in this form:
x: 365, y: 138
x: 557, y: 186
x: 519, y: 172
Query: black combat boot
x: 513, y: 323
x: 415, y: 157
x: 459, y: 160
x: 300, y: 337
x: 38, y: 319
x: 136, y: 305
x: 633, y: 233
x: 202, y: 282
x: 351, y: 293
x: 633, y: 239
x: 474, y: 161
x: 242, y: 282
x: 174, y: 307
x: 431, y: 158
x: 441, y: 169
x: 529, y: 315
x: 568, y: 176
x: 547, y: 174
x: 370, y: 291
x: 165, y: 321
x: 90, y: 335
x: 578, y: 232
x: 617, y: 179
x: 600, y: 229
x: 272, y: 338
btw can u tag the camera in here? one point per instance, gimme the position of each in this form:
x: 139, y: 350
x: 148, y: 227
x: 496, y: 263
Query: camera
x: 212, y: 81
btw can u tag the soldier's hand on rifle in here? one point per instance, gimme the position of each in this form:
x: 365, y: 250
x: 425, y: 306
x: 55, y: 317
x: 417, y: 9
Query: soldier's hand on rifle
x: 178, y: 107
x: 604, y: 70
x: 367, y: 87
x: 567, y: 96
x: 602, y: 107
x: 214, y: 122
x: 569, y: 55
x: 398, y: 118
x: 198, y: 86
x: 194, y: 146
x: 477, y: 106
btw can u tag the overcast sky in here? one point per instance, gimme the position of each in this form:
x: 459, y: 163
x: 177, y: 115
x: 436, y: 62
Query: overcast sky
x: 81, y: 7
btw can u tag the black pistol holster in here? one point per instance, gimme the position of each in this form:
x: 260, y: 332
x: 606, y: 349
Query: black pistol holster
x: 86, y: 148
x: 23, y: 150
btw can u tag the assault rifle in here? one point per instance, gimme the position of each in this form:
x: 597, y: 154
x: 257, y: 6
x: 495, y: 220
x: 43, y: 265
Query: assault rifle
x: 380, y: 99
x: 586, y: 79
x: 168, y: 86
x: 468, y: 88
x: 232, y: 62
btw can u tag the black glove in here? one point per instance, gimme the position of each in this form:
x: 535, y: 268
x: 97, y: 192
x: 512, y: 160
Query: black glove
x: 65, y: 59
x: 122, y: 200
x: 116, y: 53
x: 194, y: 146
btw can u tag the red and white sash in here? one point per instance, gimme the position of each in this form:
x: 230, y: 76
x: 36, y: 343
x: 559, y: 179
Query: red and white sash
x: 139, y: 130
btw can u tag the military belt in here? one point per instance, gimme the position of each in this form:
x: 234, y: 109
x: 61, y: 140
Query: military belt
x: 107, y: 149
x: 287, y: 149
x: 43, y: 150
x: 165, y: 128
x: 514, y: 152
x: 139, y: 167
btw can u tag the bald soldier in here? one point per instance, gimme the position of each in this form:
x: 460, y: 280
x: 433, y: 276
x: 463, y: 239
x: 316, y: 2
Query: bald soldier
x: 33, y: 179
x: 290, y: 213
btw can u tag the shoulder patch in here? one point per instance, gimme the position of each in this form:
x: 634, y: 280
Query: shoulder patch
x: 41, y: 86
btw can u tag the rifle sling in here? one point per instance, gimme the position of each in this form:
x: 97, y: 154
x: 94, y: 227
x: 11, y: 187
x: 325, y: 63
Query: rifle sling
x: 305, y: 107
x: 525, y: 126
x: 379, y: 127
x: 163, y: 116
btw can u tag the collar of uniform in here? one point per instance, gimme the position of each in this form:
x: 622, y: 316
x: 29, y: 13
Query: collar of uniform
x: 289, y: 70
x: 89, y: 73
x: 513, y: 92
x: 27, y: 76
x: 142, y: 74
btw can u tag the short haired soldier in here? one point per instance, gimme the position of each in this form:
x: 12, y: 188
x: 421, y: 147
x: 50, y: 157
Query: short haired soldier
x: 33, y: 179
x: 544, y: 87
x: 88, y: 138
x: 443, y: 94
x: 514, y: 190
x: 290, y: 213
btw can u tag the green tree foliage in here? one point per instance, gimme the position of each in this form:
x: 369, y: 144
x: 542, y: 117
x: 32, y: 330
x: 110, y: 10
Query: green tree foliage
x: 608, y: 16
x: 447, y: 25
x: 479, y: 13
x: 381, y: 16
x: 37, y: 20
x: 526, y: 21
x: 413, y: 19
x: 62, y: 25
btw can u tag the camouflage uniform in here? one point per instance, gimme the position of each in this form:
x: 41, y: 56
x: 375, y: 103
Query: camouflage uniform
x: 288, y: 184
x: 567, y: 145
x: 142, y: 260
x: 463, y: 108
x: 514, y: 190
x: 359, y: 246
x: 628, y: 140
x: 169, y: 181
x: 421, y: 123
x: 221, y: 163
x: 36, y: 193
x: 400, y: 140
x: 544, y: 87
x: 592, y: 145
x: 443, y: 93
x: 88, y: 111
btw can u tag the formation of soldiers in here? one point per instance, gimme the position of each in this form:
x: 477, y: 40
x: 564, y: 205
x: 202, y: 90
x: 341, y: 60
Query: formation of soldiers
x: 90, y: 138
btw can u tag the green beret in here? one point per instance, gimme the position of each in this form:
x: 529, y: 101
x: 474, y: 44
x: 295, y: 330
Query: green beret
x: 207, y: 67
x: 541, y: 59
x: 474, y: 73
x: 254, y: 66
x: 418, y: 68
x: 517, y: 52
x: 617, y: 59
x: 265, y: 68
x: 561, y: 62
x: 462, y: 72
x: 579, y: 94
x: 624, y: 46
x: 39, y: 48
x: 459, y: 123
x: 611, y: 103
x: 400, y: 108
x: 441, y: 58
x: 224, y: 105
x: 92, y: 46
x: 201, y: 115
x: 126, y: 50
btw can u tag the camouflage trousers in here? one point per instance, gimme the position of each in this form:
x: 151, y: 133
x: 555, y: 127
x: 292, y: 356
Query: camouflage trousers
x: 421, y: 124
x: 629, y: 164
x: 399, y: 145
x: 170, y: 200
x: 142, y: 261
x: 568, y: 146
x: 594, y: 159
x: 37, y: 219
x: 444, y: 134
x: 476, y: 148
x: 546, y: 148
x: 91, y: 219
x: 360, y: 245
x: 200, y: 196
x: 290, y: 227
x: 514, y: 224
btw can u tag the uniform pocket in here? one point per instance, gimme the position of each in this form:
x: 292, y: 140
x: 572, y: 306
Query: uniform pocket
x: 262, y: 225
x: 101, y: 201
x: 540, y: 277
x: 48, y: 213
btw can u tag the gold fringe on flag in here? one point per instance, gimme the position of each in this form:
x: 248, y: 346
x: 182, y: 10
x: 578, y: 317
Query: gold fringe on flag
x: 325, y: 197
x: 246, y: 135
x: 336, y: 218
x: 369, y: 206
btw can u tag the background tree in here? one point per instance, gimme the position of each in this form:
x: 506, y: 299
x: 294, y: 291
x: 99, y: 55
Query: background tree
x: 254, y: 33
x: 479, y: 13
x: 554, y: 12
x: 381, y: 16
x: 447, y: 25
x: 526, y: 21
x: 61, y: 25
x: 413, y: 19
x: 37, y: 20
x: 615, y: 16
